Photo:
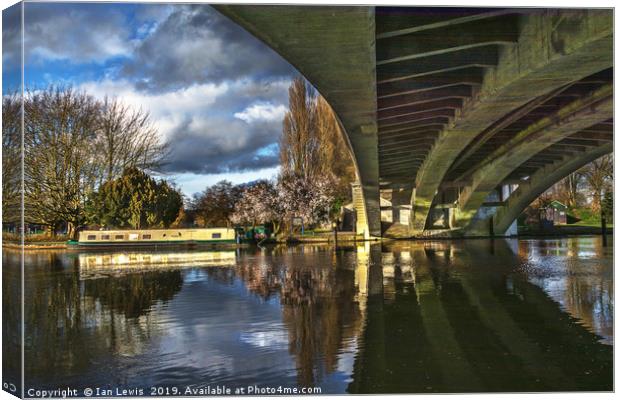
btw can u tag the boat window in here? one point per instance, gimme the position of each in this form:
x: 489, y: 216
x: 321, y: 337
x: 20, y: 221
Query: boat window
x: 92, y: 237
x: 216, y: 236
x: 146, y: 236
x: 105, y: 237
x: 119, y: 237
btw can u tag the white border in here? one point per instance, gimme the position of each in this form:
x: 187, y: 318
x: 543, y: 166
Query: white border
x: 461, y: 3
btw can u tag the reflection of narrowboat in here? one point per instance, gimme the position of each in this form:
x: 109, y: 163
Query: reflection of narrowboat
x: 92, y: 264
x: 155, y: 237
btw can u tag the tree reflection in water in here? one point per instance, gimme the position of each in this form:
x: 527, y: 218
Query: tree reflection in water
x: 62, y: 311
x: 11, y: 318
x: 319, y: 305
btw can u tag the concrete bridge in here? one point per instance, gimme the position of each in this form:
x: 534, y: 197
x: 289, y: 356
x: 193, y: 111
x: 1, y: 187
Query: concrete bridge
x: 461, y: 116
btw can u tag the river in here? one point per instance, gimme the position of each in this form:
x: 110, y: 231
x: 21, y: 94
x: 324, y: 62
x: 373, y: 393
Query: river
x: 401, y: 317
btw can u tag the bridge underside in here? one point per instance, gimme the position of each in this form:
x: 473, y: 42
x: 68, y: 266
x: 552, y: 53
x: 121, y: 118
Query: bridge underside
x: 444, y: 108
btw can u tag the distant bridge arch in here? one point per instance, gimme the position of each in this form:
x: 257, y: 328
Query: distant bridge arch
x: 540, y: 182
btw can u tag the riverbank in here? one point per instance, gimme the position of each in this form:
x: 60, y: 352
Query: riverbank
x: 323, y: 237
x: 326, y: 238
x: 563, y: 230
x: 35, y: 245
x: 68, y: 246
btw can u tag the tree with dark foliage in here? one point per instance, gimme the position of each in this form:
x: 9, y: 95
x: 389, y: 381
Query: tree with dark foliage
x: 135, y: 200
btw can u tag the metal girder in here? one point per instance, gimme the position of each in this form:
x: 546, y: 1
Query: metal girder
x: 424, y: 123
x: 408, y: 26
x: 537, y: 66
x: 574, y: 117
x: 413, y: 133
x: 443, y: 112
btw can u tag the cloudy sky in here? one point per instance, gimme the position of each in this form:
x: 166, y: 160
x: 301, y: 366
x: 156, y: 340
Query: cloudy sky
x: 214, y: 91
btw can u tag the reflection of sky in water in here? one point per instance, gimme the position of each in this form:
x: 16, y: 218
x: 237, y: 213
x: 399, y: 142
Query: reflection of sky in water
x: 215, y: 332
x: 219, y: 335
x: 266, y: 335
x: 578, y: 274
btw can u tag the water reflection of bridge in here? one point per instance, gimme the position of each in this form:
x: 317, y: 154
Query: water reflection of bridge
x: 469, y: 319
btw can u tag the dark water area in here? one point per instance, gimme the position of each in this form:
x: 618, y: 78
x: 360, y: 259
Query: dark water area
x: 404, y: 317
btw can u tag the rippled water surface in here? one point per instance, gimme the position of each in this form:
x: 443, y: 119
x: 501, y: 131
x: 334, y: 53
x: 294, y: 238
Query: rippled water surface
x: 476, y: 315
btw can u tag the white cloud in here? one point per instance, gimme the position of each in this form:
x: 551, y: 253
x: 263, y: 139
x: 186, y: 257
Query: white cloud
x: 168, y: 110
x: 193, y: 44
x: 195, y: 183
x: 262, y: 112
x: 57, y: 32
x: 199, y: 122
x: 213, y: 91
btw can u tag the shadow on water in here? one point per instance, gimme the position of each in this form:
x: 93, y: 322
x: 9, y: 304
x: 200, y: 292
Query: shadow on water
x: 470, y: 320
x: 408, y: 317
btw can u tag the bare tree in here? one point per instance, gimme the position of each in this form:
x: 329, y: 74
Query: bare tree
x: 11, y: 157
x: 72, y: 144
x: 570, y: 190
x: 60, y: 126
x: 334, y: 153
x: 598, y: 176
x: 313, y: 155
x: 299, y: 145
x: 127, y: 139
x: 216, y: 204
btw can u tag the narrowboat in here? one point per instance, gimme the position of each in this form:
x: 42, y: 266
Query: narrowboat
x: 155, y: 237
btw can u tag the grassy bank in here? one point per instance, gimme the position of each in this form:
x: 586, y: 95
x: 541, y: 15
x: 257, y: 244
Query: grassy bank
x: 36, y: 241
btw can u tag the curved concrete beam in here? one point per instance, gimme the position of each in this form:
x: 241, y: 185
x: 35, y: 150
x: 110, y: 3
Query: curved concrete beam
x: 539, y: 182
x: 576, y: 116
x: 334, y: 48
x: 555, y: 47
